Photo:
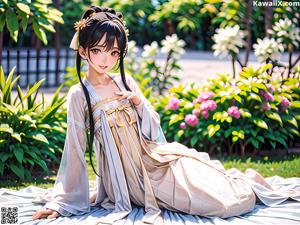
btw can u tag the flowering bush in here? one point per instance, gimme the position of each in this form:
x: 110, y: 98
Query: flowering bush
x: 159, y: 77
x: 228, y: 40
x: 267, y: 49
x: 230, y: 115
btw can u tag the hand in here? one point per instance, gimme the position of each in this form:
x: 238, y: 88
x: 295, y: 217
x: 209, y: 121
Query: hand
x: 135, y: 99
x: 44, y: 212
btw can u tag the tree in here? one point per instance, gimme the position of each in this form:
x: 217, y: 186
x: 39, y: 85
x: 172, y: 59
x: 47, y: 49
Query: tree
x: 18, y: 15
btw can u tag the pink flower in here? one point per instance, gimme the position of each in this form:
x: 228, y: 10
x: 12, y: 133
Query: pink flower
x: 205, y: 114
x: 271, y: 88
x: 266, y: 106
x: 195, y: 101
x: 196, y: 112
x: 285, y: 102
x: 191, y: 120
x: 234, y: 111
x: 268, y: 96
x: 205, y: 96
x: 208, y: 105
x: 182, y: 125
x: 173, y: 103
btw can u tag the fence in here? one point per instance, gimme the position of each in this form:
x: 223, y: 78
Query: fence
x: 33, y: 65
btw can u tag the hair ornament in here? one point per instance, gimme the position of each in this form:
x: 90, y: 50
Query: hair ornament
x: 81, y: 24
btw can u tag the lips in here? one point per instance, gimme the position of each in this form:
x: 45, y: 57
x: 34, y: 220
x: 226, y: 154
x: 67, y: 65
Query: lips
x: 103, y: 67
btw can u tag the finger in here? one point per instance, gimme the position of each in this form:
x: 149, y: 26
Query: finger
x: 125, y: 95
x: 41, y: 213
x: 120, y: 92
x: 53, y: 215
x: 131, y: 96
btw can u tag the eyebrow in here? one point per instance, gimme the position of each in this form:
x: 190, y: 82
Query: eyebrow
x: 104, y: 46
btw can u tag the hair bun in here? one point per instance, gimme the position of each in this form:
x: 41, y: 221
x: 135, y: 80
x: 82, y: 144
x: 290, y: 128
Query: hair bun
x: 119, y: 15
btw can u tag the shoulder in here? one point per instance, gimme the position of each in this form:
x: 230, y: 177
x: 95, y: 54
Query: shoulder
x: 76, y: 95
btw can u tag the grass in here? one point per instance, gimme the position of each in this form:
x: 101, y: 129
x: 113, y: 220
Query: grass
x: 284, y: 167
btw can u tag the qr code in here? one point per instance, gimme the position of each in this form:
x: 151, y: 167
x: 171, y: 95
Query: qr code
x: 9, y: 215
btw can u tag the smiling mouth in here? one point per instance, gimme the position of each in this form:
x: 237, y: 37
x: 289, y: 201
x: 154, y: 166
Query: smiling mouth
x: 103, y: 67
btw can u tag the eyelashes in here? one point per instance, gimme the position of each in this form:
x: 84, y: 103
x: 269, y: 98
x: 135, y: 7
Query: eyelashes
x: 114, y: 53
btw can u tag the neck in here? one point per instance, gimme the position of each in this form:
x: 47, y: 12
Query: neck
x: 95, y: 77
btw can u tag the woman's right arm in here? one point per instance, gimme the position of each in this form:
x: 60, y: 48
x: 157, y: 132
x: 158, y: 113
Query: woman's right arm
x: 70, y: 194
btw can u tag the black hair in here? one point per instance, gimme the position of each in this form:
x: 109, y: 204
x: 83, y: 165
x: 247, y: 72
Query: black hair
x: 101, y: 21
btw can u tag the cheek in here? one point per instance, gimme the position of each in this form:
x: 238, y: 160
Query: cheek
x: 113, y: 60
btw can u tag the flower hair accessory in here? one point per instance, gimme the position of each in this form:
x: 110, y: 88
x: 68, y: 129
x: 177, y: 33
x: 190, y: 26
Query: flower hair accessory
x: 81, y: 24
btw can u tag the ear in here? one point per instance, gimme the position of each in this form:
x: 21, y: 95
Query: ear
x: 82, y: 52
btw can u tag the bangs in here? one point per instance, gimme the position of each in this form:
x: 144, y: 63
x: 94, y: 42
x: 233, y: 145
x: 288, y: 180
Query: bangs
x: 112, y: 32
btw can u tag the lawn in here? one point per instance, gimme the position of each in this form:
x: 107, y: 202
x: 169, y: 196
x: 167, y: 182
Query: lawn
x: 284, y: 167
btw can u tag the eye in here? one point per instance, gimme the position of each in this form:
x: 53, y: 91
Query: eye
x: 95, y: 50
x: 115, y: 53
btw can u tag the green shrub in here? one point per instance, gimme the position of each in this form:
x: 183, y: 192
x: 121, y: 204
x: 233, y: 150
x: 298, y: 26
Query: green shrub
x: 32, y: 132
x: 229, y: 115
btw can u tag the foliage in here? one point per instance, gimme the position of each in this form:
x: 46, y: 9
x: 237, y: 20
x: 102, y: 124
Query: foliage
x: 246, y: 114
x: 23, y: 12
x: 136, y: 14
x: 71, y: 13
x: 160, y: 78
x: 32, y: 132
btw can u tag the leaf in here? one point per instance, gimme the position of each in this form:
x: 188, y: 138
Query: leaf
x: 42, y: 164
x: 40, y: 137
x: 17, y: 136
x: 180, y: 133
x: 212, y: 129
x: 194, y: 140
x: 260, y: 123
x: 273, y: 143
x: 295, y: 104
x: 293, y: 131
x: 261, y: 139
x: 2, y: 21
x: 40, y: 33
x: 18, y: 171
x: 6, y: 128
x: 8, y: 81
x: 175, y: 118
x: 235, y: 138
x: 254, y: 97
x: 33, y: 89
x: 23, y: 7
x: 19, y: 153
x: 12, y: 24
x: 255, y: 143
x: 274, y: 116
x: 292, y: 121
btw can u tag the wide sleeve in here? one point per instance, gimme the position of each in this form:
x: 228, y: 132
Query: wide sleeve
x: 71, y: 190
x: 149, y: 118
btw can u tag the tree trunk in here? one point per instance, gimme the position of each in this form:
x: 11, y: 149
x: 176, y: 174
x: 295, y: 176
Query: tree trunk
x: 57, y: 46
x: 169, y: 27
x: 248, y: 19
x: 1, y: 45
x: 268, y: 11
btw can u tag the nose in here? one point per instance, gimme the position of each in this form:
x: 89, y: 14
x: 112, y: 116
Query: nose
x: 103, y: 57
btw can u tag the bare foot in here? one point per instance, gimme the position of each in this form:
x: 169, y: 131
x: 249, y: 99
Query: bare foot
x: 257, y: 177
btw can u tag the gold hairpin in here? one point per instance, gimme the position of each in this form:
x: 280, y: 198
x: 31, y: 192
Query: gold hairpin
x: 82, y: 23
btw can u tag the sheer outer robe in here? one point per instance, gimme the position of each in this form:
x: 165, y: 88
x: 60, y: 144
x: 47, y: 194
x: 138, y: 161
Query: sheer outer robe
x: 70, y: 194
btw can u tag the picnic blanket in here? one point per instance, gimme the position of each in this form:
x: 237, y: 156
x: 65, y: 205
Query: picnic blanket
x: 287, y: 212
